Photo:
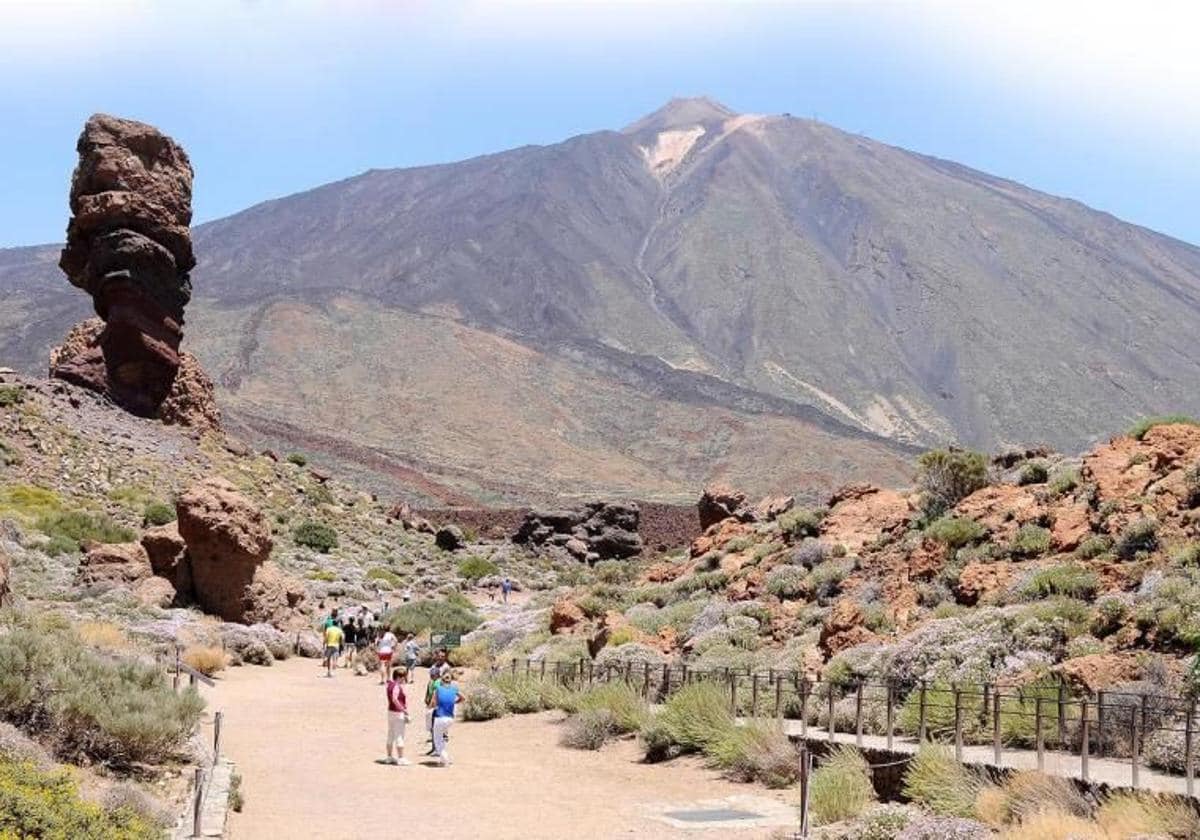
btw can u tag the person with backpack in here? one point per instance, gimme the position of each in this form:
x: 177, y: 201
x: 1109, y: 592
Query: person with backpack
x: 333, y: 645
x: 385, y: 647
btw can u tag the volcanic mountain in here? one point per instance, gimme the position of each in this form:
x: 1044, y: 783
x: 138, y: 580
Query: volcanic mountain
x: 703, y: 294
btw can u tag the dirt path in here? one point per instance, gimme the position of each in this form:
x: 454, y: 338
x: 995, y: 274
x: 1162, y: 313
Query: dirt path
x: 306, y: 748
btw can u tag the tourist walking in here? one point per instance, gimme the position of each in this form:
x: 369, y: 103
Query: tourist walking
x: 445, y: 697
x: 333, y: 644
x: 505, y: 588
x: 351, y: 633
x: 411, y: 651
x: 397, y: 704
x: 385, y: 648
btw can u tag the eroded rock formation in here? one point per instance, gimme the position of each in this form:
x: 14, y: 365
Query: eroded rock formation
x: 228, y: 544
x: 129, y: 247
x: 596, y: 531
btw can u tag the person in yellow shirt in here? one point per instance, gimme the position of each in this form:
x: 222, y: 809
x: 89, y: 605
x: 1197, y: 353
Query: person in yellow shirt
x: 333, y: 644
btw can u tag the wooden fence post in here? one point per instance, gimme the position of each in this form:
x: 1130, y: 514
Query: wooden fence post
x: 832, y: 725
x: 175, y: 682
x: 1100, y: 724
x: 754, y: 696
x: 666, y: 678
x: 197, y: 803
x: 514, y: 666
x: 217, y: 718
x: 958, y: 729
x: 1084, y: 746
x: 996, y: 725
x: 1041, y: 742
x: 1134, y: 747
x: 779, y: 698
x: 805, y: 771
x: 803, y: 707
x: 921, y: 713
x: 733, y: 693
x: 858, y: 716
x: 542, y: 675
x: 891, y: 712
x: 646, y: 681
x: 1062, y: 715
x: 1189, y: 759
x: 528, y: 667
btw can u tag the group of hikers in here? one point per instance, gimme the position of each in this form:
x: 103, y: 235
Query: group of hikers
x: 353, y: 631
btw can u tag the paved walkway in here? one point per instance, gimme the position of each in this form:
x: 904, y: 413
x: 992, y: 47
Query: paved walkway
x: 306, y: 749
x: 1113, y: 772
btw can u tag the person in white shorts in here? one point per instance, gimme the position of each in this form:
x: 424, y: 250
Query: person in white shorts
x: 397, y: 705
x: 385, y: 649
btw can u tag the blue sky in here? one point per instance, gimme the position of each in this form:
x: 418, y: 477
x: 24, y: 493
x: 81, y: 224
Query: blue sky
x: 271, y: 97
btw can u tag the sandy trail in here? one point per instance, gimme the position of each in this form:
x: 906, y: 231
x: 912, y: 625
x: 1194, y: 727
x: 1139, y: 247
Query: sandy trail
x: 306, y: 747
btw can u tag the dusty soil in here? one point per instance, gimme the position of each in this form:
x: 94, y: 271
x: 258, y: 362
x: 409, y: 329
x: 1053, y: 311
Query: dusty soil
x: 306, y: 747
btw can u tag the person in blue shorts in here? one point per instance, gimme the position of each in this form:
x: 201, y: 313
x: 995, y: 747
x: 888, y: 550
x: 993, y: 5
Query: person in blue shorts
x: 445, y: 697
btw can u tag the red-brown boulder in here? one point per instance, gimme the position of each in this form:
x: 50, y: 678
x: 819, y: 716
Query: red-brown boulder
x: 843, y: 627
x: 718, y: 502
x: 228, y: 543
x: 565, y: 615
x: 168, y: 557
x: 861, y: 513
x: 117, y: 563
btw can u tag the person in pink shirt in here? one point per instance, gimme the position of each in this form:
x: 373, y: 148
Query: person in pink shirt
x: 397, y: 706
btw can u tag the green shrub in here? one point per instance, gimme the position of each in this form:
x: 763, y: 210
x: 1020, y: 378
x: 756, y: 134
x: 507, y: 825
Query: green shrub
x: 46, y: 804
x: 947, y: 476
x: 11, y: 395
x: 1111, y: 613
x: 934, y: 779
x: 1093, y: 546
x: 1063, y: 482
x: 787, y: 582
x: 315, y: 535
x: 826, y: 579
x: 1065, y: 579
x: 841, y: 786
x: 67, y: 530
x: 322, y: 575
x: 588, y: 730
x: 1145, y: 424
x: 522, y: 695
x: 628, y: 711
x: 384, y: 574
x: 297, y: 459
x: 473, y: 568
x: 116, y: 711
x: 158, y: 513
x: 1031, y: 541
x: 612, y: 571
x: 756, y: 752
x: 28, y: 502
x: 800, y: 523
x: 694, y: 718
x: 955, y: 531
x: 1033, y: 472
x: 448, y: 615
x: 1140, y: 535
x: 483, y: 702
x: 1187, y: 555
x: 1191, y: 485
x: 8, y: 456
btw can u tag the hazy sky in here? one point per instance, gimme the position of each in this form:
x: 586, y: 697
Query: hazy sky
x: 270, y: 97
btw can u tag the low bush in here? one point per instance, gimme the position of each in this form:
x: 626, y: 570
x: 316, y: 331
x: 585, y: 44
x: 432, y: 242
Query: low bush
x: 1128, y: 814
x: 158, y: 513
x: 1111, y: 613
x: 323, y: 575
x: 46, y: 804
x: 298, y: 459
x: 381, y: 573
x: 522, y: 695
x: 473, y: 568
x: 103, y: 635
x: 69, y: 529
x: 1064, y: 579
x: 955, y: 531
x: 448, y: 615
x: 119, y: 712
x: 1033, y: 472
x: 483, y: 702
x: 694, y: 718
x: 315, y: 535
x: 787, y: 582
x: 588, y: 730
x: 934, y: 779
x: 1138, y: 536
x: 11, y: 395
x: 206, y: 660
x: 800, y: 523
x: 1063, y: 482
x: 1187, y: 555
x: 947, y: 476
x: 756, y: 752
x: 841, y: 786
x: 475, y: 654
x: 629, y: 712
x: 1138, y: 430
x: 1093, y: 546
x: 826, y: 579
x: 1031, y: 541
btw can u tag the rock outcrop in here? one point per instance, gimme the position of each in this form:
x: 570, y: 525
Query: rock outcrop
x: 596, y: 531
x: 117, y: 563
x: 718, y: 502
x: 861, y: 513
x: 130, y: 248
x: 228, y: 547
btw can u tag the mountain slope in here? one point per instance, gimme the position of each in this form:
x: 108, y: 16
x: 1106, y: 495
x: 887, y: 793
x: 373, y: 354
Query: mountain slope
x: 699, y: 267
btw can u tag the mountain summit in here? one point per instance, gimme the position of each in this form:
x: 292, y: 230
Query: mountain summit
x: 704, y: 294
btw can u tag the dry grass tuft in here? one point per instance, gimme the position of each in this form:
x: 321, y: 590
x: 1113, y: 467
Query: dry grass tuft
x: 206, y: 660
x: 103, y: 634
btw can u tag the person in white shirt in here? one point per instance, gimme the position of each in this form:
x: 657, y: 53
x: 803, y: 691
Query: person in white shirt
x: 385, y: 649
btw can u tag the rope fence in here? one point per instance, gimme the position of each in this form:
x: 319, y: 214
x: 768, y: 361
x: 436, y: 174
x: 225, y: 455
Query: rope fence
x: 1040, y: 718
